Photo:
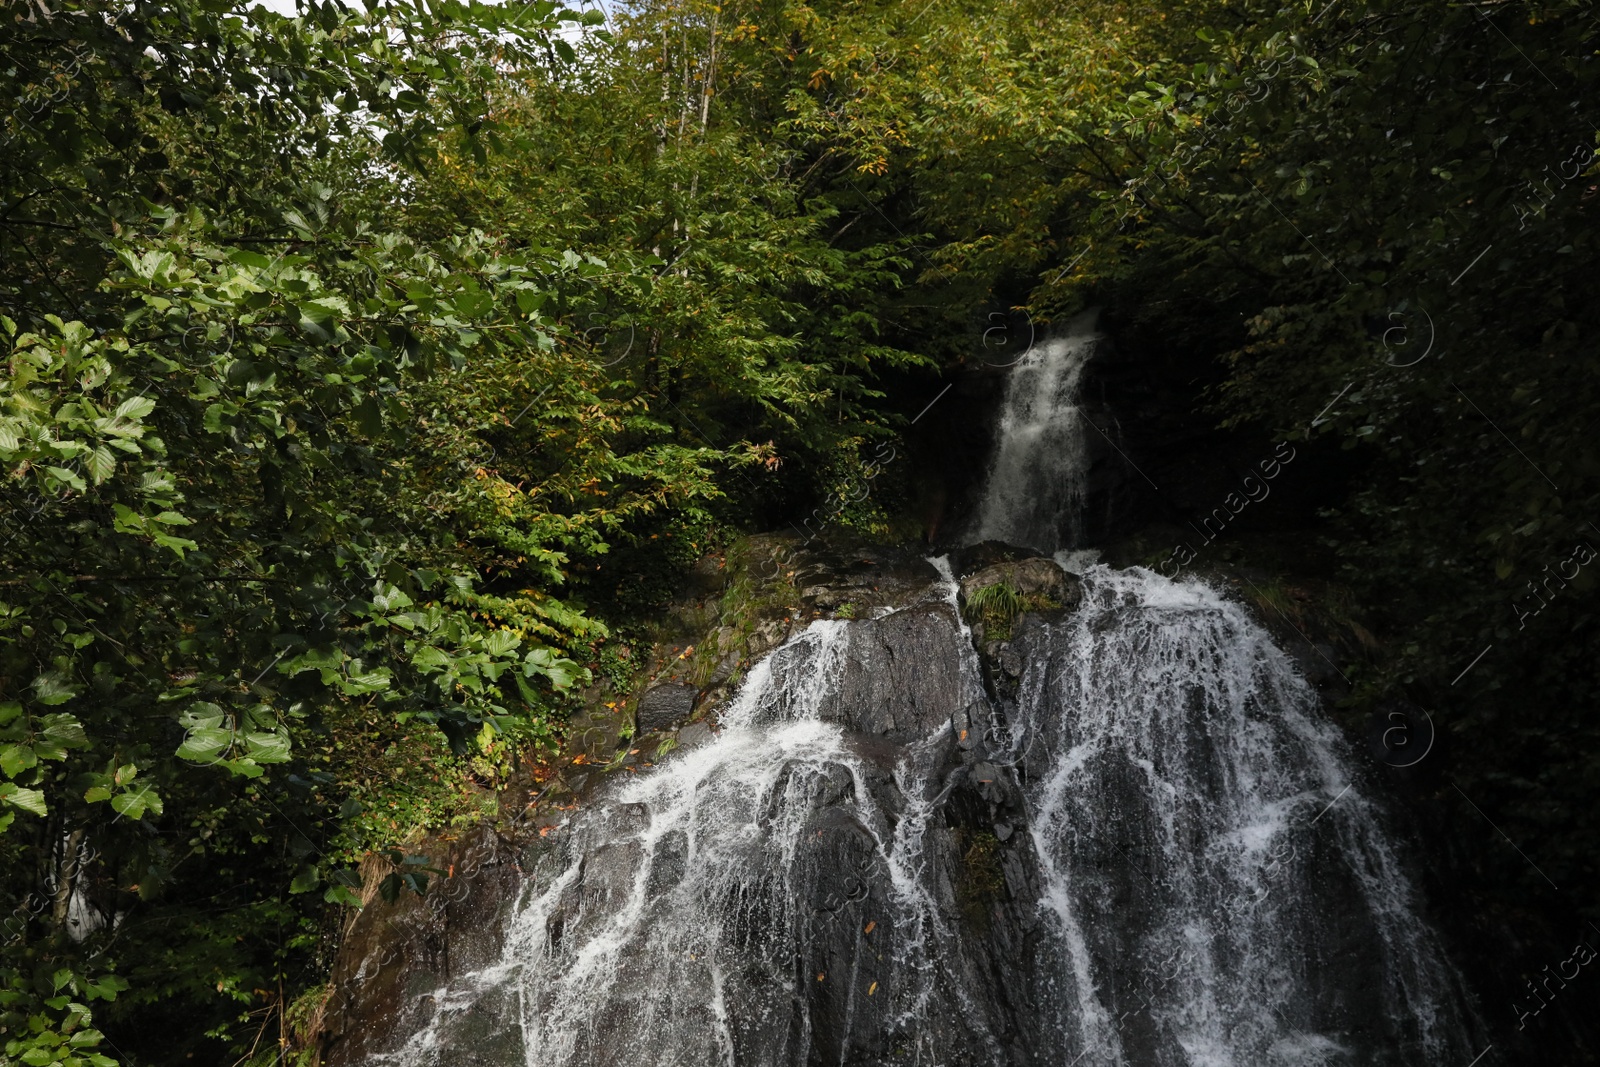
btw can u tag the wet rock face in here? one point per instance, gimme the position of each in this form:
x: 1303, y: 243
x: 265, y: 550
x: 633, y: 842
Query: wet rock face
x: 830, y: 574
x: 896, y: 849
x: 394, y: 957
x: 850, y: 902
x: 970, y: 559
x: 904, y: 676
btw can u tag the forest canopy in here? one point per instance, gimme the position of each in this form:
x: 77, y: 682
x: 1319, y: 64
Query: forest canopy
x: 366, y: 370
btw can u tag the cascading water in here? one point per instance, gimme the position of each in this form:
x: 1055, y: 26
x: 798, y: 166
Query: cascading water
x: 1034, y: 492
x: 1140, y: 845
x: 772, y: 898
x: 1219, y: 885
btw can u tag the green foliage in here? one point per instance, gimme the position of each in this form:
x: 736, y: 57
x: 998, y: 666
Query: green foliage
x: 341, y: 353
x: 997, y: 607
x: 60, y: 1031
x: 994, y: 605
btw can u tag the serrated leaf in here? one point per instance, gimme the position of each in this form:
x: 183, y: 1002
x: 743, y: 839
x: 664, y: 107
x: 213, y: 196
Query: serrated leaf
x: 429, y: 659
x: 245, y: 767
x: 65, y: 730
x: 14, y: 759
x: 52, y: 688
x: 100, y: 464
x: 201, y: 713
x: 500, y: 642
x: 27, y: 799
x: 389, y: 888
x: 133, y: 805
x: 205, y: 744
x: 62, y: 474
x: 136, y: 407
x: 268, y: 747
x: 373, y: 681
x: 96, y: 794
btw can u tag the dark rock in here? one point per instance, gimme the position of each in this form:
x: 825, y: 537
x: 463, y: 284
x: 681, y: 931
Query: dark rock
x: 973, y: 558
x: 832, y: 575
x: 905, y: 676
x: 664, y: 705
x: 1032, y: 577
x: 724, y: 668
x: 394, y: 957
x: 695, y: 736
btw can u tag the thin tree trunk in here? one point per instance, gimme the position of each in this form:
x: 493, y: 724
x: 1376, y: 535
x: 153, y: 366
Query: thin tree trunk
x: 66, y: 878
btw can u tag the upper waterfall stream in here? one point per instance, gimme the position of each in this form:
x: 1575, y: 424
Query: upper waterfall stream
x: 1139, y: 844
x: 1034, y: 492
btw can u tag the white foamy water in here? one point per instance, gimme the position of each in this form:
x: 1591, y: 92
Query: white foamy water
x: 1268, y: 918
x: 1034, y: 491
x: 664, y: 928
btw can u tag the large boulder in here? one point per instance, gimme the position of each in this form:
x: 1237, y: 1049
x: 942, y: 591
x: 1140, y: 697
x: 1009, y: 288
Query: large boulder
x: 969, y: 559
x: 1037, y: 577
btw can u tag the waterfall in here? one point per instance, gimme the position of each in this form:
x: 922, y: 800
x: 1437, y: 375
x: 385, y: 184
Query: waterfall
x: 772, y: 898
x: 1219, y: 883
x: 1140, y: 845
x: 1034, y: 492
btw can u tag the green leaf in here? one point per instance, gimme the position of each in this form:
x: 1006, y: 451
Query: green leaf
x: 360, y: 683
x: 65, y: 730
x: 100, y: 463
x: 53, y: 688
x: 68, y: 477
x: 136, y: 407
x: 205, y: 744
x: 31, y: 800
x: 14, y: 759
x: 133, y: 805
x: 389, y: 888
x: 245, y: 767
x: 268, y: 747
x: 429, y: 659
x: 369, y: 416
x: 338, y: 894
x: 471, y: 305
